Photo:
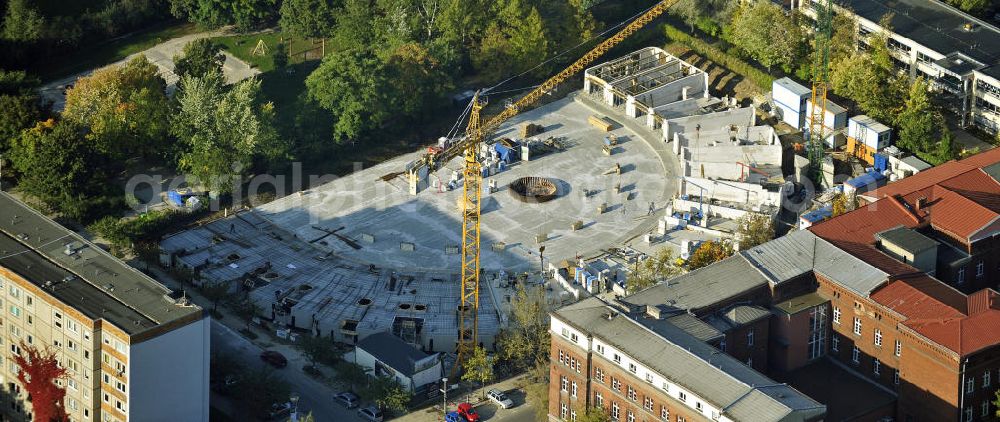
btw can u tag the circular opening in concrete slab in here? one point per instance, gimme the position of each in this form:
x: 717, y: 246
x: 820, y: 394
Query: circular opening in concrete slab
x: 533, y: 190
x: 364, y: 301
x: 404, y: 306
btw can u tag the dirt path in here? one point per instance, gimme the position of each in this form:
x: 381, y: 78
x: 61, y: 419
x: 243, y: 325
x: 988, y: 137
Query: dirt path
x: 162, y: 56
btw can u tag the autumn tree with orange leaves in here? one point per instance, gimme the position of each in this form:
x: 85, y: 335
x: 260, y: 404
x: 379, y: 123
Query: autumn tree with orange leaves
x: 38, y: 372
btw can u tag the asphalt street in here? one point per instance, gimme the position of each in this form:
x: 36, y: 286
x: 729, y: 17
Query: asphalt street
x: 313, y: 395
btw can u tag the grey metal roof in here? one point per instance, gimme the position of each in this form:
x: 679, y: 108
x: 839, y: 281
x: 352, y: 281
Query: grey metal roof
x: 102, y: 287
x: 915, y: 162
x: 907, y: 239
x: 695, y: 327
x: 847, y: 270
x: 736, y: 316
x: 795, y: 87
x: 703, y: 287
x: 393, y: 351
x: 784, y: 258
x: 935, y: 26
x: 799, y: 303
x: 742, y: 393
x: 993, y: 170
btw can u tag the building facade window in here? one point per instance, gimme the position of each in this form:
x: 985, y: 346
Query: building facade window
x: 835, y: 343
x: 986, y: 378
x: 876, y: 367
x: 682, y: 396
x: 563, y: 410
x: 615, y: 411
x: 572, y: 416
x: 895, y: 377
x: 618, y: 358
x: 750, y: 337
x: 961, y: 279
x: 855, y: 355
x: 649, y: 378
x: 970, y: 385
x: 817, y: 332
x: 878, y: 337
x: 564, y: 383
x: 631, y: 393
x: 664, y: 413
x: 598, y: 399
x: 632, y: 368
x: 899, y: 348
x: 980, y: 269
x: 562, y: 357
x: 572, y: 391
x: 857, y: 326
x: 617, y: 385
x: 722, y: 344
x: 600, y: 349
x: 599, y: 375
x: 630, y: 417
x: 836, y: 315
x: 985, y: 409
x: 647, y: 403
x: 968, y: 413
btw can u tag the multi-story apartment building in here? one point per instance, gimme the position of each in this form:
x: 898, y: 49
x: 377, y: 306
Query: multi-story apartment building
x: 956, y: 52
x: 896, y: 298
x: 133, y: 350
x: 642, y: 367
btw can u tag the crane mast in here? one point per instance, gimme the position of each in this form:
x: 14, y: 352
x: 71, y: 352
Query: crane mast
x: 820, y: 86
x: 478, y: 131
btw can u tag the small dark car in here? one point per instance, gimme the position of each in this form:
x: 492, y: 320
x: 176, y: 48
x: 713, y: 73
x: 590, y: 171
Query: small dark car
x: 275, y: 359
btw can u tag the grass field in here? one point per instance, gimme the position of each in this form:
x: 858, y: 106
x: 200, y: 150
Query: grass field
x: 101, y: 54
x: 243, y: 46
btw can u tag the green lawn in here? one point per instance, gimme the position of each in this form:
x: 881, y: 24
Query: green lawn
x: 244, y: 47
x: 101, y: 54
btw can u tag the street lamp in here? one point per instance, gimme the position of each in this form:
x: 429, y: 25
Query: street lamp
x: 444, y: 393
x: 294, y: 399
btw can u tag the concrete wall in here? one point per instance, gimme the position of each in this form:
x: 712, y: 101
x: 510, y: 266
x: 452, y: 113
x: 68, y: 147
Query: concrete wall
x: 742, y: 193
x: 168, y: 375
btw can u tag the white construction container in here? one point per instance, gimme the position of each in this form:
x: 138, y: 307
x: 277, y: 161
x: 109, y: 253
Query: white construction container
x: 834, y: 120
x: 791, y: 98
x: 869, y: 131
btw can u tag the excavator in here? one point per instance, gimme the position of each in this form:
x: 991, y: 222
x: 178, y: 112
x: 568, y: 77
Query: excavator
x: 478, y: 131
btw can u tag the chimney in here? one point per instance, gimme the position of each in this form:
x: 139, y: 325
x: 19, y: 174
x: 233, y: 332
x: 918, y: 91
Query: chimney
x: 921, y: 202
x: 653, y: 311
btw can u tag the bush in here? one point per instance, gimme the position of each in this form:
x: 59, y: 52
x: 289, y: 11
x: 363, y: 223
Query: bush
x: 709, y: 26
x: 725, y: 59
x: 124, y: 235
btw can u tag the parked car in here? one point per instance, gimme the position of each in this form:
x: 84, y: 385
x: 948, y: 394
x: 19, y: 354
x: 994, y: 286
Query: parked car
x: 370, y: 413
x: 501, y: 399
x: 347, y: 398
x: 453, y: 417
x: 274, y: 358
x: 279, y: 410
x: 468, y: 412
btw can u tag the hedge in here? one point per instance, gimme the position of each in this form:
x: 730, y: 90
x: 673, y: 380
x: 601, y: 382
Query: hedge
x: 713, y: 53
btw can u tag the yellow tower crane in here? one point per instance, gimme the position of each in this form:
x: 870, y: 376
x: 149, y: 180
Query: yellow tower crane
x: 478, y: 131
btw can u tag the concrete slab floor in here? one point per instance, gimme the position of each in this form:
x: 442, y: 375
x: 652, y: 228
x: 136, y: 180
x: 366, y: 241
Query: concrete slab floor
x: 379, y: 215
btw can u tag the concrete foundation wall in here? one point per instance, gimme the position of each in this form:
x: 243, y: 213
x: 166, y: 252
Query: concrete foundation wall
x: 741, y: 193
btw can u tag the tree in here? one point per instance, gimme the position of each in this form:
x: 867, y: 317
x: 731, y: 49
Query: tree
x: 260, y: 388
x: 478, y: 368
x: 418, y: 81
x: 388, y: 394
x: 768, y: 35
x: 351, y: 373
x: 652, y: 270
x: 61, y: 170
x: 709, y: 253
x: 538, y: 390
x: 244, y: 14
x: 514, y: 43
x: 22, y: 22
x: 222, y: 130
x: 755, y: 229
x: 317, y: 349
x: 916, y: 122
x: 215, y: 292
x: 19, y: 113
x: 355, y: 20
x: 351, y: 85
x: 124, y: 107
x: 246, y: 310
x: 996, y: 403
x: 971, y: 6
x: 525, y: 340
x: 308, y: 18
x: 39, y: 371
x: 689, y: 11
x: 199, y: 58
x: 843, y: 203
x: 595, y: 414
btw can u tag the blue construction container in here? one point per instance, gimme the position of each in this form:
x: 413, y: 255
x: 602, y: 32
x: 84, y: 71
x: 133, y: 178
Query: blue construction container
x: 881, y: 162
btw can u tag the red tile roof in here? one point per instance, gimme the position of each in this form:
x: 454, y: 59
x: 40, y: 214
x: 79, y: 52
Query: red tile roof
x: 937, y: 174
x: 855, y: 231
x: 951, y: 212
x: 939, y: 321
